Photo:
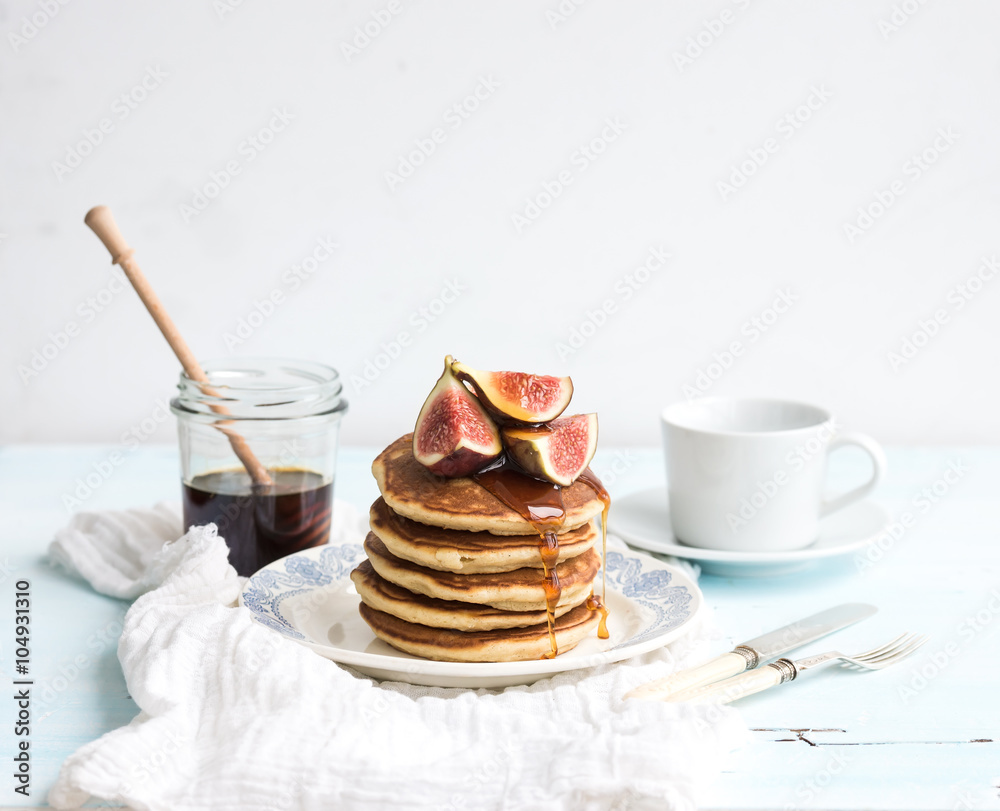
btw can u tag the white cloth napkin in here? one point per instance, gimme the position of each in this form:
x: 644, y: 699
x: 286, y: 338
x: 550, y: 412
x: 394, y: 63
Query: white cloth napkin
x: 234, y: 716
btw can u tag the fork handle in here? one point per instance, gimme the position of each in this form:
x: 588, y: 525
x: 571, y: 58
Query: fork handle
x: 723, y: 692
x: 729, y: 664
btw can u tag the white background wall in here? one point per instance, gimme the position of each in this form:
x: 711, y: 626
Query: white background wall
x: 856, y: 300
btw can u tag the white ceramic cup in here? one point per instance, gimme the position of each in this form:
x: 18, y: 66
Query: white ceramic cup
x: 748, y: 474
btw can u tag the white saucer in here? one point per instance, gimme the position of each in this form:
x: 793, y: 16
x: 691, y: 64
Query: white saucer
x: 643, y: 520
x: 309, y: 597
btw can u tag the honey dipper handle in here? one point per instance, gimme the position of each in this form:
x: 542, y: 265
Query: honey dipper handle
x: 102, y: 222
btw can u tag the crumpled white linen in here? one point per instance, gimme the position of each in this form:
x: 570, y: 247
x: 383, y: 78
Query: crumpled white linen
x: 234, y: 716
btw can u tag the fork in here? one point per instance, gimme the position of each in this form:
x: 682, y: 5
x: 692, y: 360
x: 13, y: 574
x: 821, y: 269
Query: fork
x: 753, y: 681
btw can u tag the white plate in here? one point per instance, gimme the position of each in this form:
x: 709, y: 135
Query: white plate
x: 643, y: 519
x: 310, y: 598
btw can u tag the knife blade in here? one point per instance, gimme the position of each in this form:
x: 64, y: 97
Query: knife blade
x: 758, y: 650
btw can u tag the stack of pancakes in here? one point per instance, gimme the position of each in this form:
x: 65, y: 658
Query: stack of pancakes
x: 455, y: 574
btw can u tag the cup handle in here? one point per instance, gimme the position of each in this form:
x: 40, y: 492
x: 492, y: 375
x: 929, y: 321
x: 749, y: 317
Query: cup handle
x: 874, y: 450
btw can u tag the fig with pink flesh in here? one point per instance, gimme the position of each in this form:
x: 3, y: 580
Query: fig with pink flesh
x: 518, y: 396
x: 454, y: 435
x: 558, y: 452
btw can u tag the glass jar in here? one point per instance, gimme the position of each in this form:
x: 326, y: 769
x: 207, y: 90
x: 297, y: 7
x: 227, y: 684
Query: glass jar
x: 288, y: 414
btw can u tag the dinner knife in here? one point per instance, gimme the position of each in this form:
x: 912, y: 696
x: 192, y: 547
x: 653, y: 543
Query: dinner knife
x: 757, y: 651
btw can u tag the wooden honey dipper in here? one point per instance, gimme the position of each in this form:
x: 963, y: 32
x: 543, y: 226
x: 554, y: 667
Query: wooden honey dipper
x: 102, y: 223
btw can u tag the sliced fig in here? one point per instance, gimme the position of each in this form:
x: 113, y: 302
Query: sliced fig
x: 454, y: 435
x: 558, y: 452
x: 518, y: 396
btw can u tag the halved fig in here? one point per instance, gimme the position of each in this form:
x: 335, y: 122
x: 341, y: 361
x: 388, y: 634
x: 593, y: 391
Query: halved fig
x: 518, y: 396
x: 454, y: 435
x: 558, y: 452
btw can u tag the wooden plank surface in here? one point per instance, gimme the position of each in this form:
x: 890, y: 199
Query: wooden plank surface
x: 923, y: 735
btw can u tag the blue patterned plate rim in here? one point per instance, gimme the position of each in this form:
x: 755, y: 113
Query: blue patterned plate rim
x: 661, y: 597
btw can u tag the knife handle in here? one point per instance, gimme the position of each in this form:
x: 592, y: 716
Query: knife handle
x: 723, y: 692
x: 729, y: 664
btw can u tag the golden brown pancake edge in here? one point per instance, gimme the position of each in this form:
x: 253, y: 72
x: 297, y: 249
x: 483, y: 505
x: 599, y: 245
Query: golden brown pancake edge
x: 378, y: 593
x: 466, y: 552
x: 412, y: 491
x: 509, y: 645
x: 518, y: 590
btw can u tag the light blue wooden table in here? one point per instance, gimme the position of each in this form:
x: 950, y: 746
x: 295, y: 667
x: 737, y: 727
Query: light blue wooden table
x: 924, y: 735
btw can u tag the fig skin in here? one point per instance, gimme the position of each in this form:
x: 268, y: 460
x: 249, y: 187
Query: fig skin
x: 460, y: 416
x: 508, y: 395
x: 459, y: 463
x: 534, y: 448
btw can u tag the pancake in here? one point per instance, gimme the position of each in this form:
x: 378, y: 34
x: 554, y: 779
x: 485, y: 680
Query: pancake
x: 453, y: 550
x: 378, y: 593
x: 510, y: 645
x: 412, y: 491
x: 519, y: 590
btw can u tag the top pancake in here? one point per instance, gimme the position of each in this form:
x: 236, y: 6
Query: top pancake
x: 412, y: 491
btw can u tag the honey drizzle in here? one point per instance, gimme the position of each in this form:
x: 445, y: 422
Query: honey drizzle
x: 594, y: 604
x: 541, y: 505
x: 589, y: 478
x: 549, y: 547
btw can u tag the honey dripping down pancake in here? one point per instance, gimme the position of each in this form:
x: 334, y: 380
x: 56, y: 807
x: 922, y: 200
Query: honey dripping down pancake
x: 518, y: 590
x: 541, y: 504
x: 466, y: 552
x: 383, y: 595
